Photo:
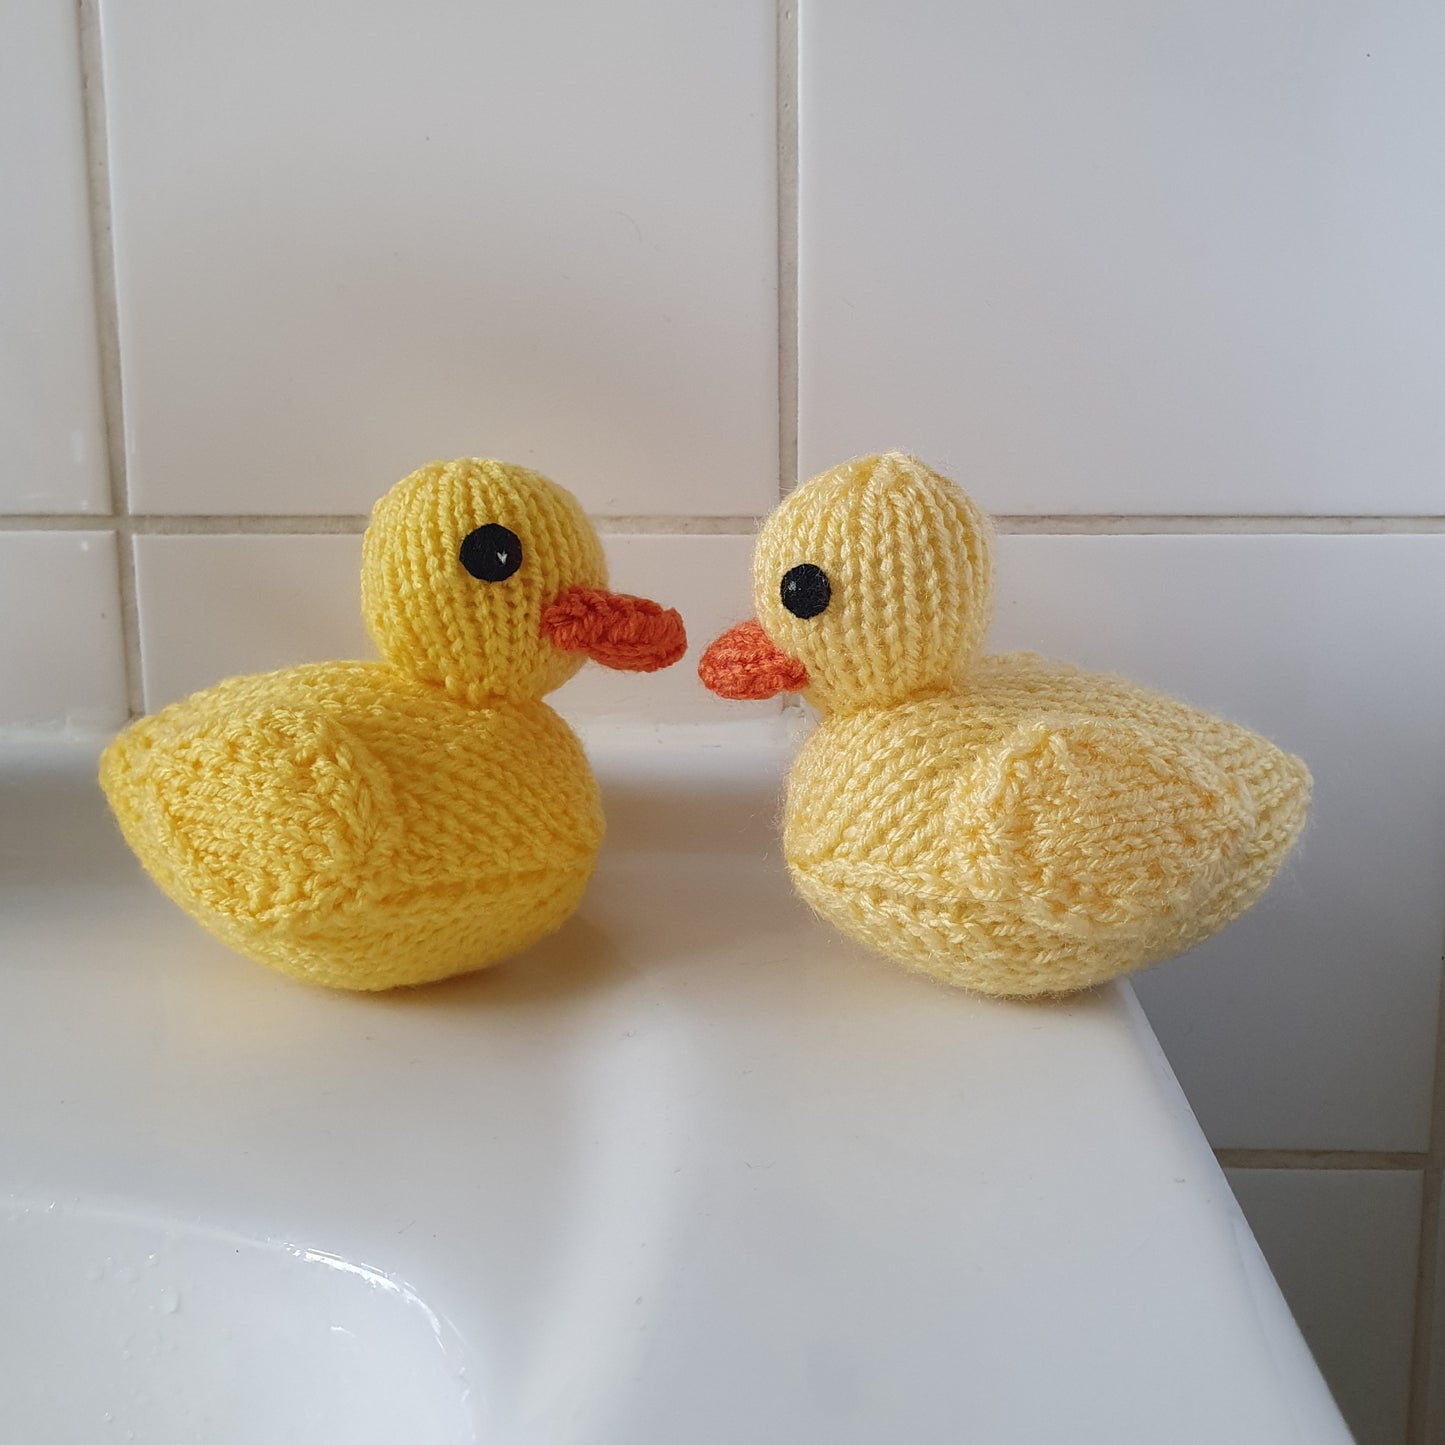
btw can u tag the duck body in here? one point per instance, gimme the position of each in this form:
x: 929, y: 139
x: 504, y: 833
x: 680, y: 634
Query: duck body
x: 1003, y: 823
x: 367, y: 824
x: 1039, y: 829
x: 355, y: 828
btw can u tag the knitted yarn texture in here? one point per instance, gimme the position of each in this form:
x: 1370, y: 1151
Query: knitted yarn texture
x: 368, y: 824
x: 1003, y: 823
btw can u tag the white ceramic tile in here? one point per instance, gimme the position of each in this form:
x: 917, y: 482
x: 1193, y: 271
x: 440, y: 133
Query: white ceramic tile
x: 1311, y: 1021
x: 1106, y: 258
x: 53, y: 457
x: 211, y: 607
x: 1343, y: 1246
x: 61, y: 656
x: 350, y: 239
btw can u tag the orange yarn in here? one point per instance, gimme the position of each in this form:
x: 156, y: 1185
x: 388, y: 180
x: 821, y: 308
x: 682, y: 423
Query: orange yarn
x: 744, y: 664
x: 614, y: 628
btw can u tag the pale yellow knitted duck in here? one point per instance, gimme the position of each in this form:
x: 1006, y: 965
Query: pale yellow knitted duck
x: 1003, y: 823
x: 369, y: 824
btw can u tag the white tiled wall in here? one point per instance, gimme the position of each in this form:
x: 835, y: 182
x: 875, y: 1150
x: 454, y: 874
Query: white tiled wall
x: 212, y: 607
x: 53, y: 455
x: 1104, y: 263
x: 60, y: 645
x: 350, y: 238
x: 1124, y: 258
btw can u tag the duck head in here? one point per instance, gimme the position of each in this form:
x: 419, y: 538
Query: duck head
x: 488, y: 580
x: 873, y: 584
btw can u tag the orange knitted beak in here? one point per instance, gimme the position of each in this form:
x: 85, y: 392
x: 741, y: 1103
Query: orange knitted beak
x: 629, y: 633
x: 744, y: 664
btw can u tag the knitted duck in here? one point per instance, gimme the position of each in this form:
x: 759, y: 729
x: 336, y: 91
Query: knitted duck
x: 368, y: 824
x: 1004, y: 823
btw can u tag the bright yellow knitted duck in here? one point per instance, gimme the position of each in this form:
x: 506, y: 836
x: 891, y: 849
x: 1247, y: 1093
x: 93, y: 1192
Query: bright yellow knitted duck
x: 1003, y: 823
x: 368, y: 824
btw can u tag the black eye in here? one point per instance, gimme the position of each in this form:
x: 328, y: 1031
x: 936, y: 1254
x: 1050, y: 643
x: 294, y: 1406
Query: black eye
x: 491, y: 553
x: 805, y: 591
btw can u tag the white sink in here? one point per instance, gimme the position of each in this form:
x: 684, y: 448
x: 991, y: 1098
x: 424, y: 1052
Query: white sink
x: 121, y: 1329
x: 694, y: 1170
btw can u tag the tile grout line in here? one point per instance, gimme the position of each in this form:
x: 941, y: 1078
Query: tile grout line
x: 1422, y: 1387
x: 1325, y: 1159
x: 107, y: 328
x: 321, y: 523
x: 1113, y: 524
x: 683, y: 524
x: 787, y: 206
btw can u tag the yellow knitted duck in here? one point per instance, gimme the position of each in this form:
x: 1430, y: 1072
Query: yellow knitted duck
x: 1003, y: 823
x: 368, y: 824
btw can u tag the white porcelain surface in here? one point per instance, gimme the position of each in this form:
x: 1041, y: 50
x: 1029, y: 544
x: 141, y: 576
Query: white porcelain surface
x: 348, y: 239
x: 120, y: 1328
x: 1099, y: 258
x: 61, y: 660
x: 1343, y: 1246
x: 1310, y: 1022
x: 211, y: 607
x: 692, y: 1170
x: 53, y: 457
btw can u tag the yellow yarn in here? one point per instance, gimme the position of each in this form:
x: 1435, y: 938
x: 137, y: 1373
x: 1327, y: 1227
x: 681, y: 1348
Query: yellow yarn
x: 432, y: 621
x: 910, y: 559
x: 364, y: 825
x: 1006, y: 824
